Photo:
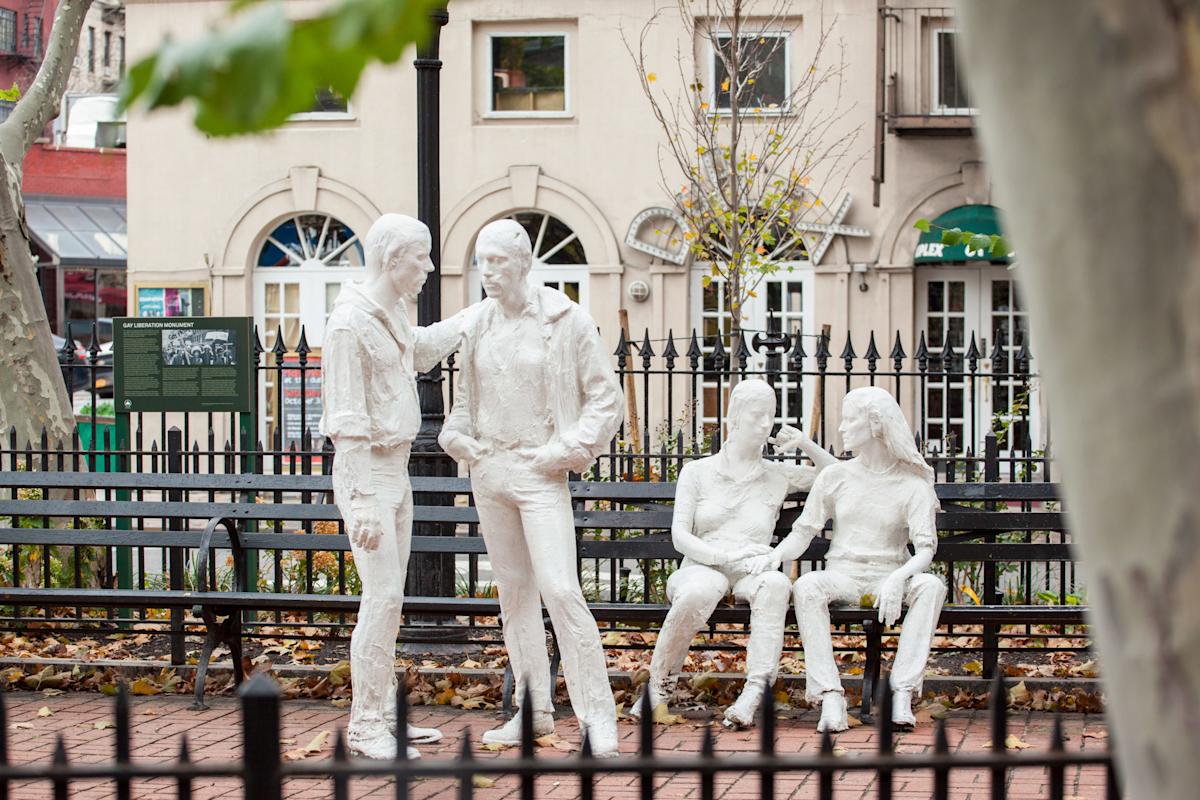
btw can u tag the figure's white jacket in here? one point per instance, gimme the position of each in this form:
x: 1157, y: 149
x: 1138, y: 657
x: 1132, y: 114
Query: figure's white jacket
x: 583, y: 391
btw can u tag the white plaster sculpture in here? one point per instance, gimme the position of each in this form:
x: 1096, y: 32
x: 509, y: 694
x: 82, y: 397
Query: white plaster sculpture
x: 536, y: 398
x: 880, y: 501
x: 369, y: 358
x: 726, y: 508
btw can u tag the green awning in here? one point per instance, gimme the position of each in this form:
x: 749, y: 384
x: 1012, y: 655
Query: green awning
x: 980, y: 219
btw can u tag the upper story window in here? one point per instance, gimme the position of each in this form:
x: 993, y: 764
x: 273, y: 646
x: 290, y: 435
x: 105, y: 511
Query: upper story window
x: 327, y: 104
x: 528, y: 75
x: 8, y: 31
x: 949, y: 89
x: 762, y: 62
x: 91, y: 49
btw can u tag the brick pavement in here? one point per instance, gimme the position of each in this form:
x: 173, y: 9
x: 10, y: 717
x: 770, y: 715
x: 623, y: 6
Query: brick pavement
x: 158, y: 723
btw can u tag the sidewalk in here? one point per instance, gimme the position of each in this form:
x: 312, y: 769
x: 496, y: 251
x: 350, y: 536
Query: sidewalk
x: 215, y: 735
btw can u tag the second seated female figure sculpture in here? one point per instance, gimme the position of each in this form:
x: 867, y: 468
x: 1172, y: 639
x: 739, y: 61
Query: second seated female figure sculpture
x: 880, y: 501
x: 726, y: 507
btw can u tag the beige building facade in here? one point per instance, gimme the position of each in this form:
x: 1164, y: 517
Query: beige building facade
x: 266, y: 226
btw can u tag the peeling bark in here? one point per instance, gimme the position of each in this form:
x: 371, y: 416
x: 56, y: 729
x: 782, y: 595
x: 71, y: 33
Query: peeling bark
x: 1090, y: 118
x: 33, y: 396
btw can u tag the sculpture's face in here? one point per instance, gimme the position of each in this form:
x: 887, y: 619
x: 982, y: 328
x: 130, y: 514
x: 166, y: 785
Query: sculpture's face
x: 855, y: 428
x: 408, y: 267
x: 501, y: 274
x: 755, y: 419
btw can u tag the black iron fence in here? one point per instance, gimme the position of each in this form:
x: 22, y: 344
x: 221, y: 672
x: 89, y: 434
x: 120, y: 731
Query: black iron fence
x: 677, y: 388
x: 262, y: 773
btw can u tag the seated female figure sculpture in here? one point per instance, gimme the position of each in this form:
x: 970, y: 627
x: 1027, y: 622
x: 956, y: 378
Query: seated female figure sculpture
x: 726, y: 507
x: 879, y: 501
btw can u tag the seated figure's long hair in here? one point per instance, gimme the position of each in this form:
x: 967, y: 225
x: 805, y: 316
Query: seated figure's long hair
x: 894, y: 431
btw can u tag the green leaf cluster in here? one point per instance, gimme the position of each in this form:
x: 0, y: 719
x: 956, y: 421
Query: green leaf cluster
x: 11, y: 95
x: 995, y: 244
x: 261, y: 66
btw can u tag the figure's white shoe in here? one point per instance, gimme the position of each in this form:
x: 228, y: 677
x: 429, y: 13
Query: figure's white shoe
x: 381, y: 747
x: 833, y: 713
x: 603, y: 740
x: 742, y: 713
x: 423, y: 735
x: 902, y: 713
x: 657, y: 698
x: 510, y: 732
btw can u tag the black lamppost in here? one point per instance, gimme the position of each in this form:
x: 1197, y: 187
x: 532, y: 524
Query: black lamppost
x: 430, y: 575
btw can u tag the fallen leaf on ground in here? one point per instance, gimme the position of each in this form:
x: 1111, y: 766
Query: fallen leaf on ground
x: 1095, y: 734
x: 551, y: 740
x: 143, y: 686
x: 1013, y: 742
x: 45, y: 711
x: 854, y: 722
x: 341, y: 702
x: 480, y: 782
x: 314, y: 746
x: 25, y: 726
x: 103, y: 725
x: 975, y: 667
x: 839, y: 750
x: 1018, y: 694
x: 494, y: 747
x: 663, y: 716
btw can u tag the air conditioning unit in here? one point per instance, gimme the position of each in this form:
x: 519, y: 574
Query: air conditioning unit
x: 110, y: 134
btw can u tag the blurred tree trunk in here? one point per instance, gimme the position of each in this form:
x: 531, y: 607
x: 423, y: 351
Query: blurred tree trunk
x: 33, y: 395
x: 1090, y: 119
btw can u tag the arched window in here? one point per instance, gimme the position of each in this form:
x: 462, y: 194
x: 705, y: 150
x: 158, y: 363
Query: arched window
x: 301, y: 266
x: 559, y: 260
x: 302, y: 263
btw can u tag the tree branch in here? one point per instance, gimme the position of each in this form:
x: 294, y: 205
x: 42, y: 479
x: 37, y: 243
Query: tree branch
x: 40, y: 103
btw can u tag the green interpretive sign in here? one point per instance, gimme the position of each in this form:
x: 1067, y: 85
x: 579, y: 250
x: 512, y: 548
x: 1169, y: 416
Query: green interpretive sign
x: 183, y: 364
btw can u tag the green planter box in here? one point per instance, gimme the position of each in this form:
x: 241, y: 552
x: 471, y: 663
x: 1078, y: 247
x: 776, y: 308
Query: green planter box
x: 104, y: 434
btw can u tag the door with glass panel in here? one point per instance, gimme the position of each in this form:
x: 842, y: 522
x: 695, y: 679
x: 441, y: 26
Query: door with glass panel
x: 782, y: 303
x: 955, y: 304
x: 302, y: 264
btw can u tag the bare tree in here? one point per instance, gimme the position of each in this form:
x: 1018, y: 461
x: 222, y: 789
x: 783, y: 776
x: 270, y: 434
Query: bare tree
x: 33, y: 396
x: 1090, y: 116
x: 757, y: 155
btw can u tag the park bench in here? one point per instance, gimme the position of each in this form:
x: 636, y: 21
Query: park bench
x: 617, y: 520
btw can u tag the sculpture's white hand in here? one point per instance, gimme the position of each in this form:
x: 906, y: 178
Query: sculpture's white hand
x: 368, y: 528
x: 466, y: 449
x: 767, y: 562
x: 788, y: 439
x: 890, y: 599
x: 550, y: 460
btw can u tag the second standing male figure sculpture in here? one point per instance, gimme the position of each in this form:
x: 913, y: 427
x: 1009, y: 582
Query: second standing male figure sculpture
x: 536, y: 398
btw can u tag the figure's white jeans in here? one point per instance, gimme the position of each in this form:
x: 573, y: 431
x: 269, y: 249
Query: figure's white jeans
x: 382, y: 571
x: 694, y: 591
x: 814, y: 592
x: 527, y: 524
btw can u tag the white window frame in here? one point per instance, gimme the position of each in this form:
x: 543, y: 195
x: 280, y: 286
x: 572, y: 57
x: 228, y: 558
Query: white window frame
x: 935, y: 77
x: 977, y: 320
x: 491, y: 113
x: 756, y: 313
x: 785, y: 107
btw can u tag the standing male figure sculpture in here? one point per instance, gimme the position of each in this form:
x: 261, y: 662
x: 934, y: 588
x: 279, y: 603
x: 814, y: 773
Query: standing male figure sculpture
x: 536, y: 398
x: 371, y: 411
x: 726, y: 507
x: 880, y: 501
